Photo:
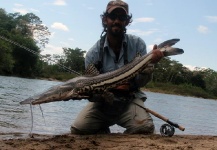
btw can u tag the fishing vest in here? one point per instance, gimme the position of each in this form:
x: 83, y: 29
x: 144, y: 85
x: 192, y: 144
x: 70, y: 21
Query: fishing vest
x: 99, y: 63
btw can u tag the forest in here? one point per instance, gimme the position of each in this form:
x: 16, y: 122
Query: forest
x: 23, y: 36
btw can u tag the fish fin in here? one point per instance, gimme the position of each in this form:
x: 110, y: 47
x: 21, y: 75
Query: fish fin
x: 168, y: 43
x: 91, y: 70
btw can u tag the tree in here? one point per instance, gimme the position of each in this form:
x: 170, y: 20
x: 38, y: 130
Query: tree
x: 31, y: 26
x: 26, y: 30
x: 6, y: 60
x: 6, y: 21
x: 162, y: 70
x: 210, y: 78
x: 197, y: 80
x: 74, y: 59
x: 25, y: 61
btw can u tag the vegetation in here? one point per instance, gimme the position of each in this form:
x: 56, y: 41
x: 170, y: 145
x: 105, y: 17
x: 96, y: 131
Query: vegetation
x: 169, y: 76
x: 182, y: 89
x: 172, y: 77
x: 28, y: 31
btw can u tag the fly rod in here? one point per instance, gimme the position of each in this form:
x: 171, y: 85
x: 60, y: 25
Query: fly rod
x: 164, y: 119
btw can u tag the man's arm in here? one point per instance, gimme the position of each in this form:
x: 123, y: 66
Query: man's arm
x: 143, y: 78
x: 146, y: 75
x: 92, y: 56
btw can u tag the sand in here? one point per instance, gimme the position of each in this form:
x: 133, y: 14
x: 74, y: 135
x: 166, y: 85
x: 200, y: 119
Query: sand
x: 113, y: 141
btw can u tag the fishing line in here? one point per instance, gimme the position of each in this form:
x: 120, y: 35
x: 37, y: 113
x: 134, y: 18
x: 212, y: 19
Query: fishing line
x: 42, y: 113
x: 32, y: 121
x: 30, y: 134
x: 41, y: 56
x: 38, y: 54
x: 12, y: 42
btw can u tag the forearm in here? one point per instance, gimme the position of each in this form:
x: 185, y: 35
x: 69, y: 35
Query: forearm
x: 144, y: 77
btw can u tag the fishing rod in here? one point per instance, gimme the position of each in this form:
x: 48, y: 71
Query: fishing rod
x: 38, y: 54
x: 166, y: 129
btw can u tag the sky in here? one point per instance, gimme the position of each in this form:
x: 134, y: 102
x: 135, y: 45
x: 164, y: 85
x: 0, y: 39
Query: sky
x: 77, y: 24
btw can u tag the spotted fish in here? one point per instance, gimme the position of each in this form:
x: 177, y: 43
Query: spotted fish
x: 82, y: 87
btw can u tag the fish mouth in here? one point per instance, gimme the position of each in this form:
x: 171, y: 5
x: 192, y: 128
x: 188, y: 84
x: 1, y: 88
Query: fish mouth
x: 73, y: 95
x: 173, y: 51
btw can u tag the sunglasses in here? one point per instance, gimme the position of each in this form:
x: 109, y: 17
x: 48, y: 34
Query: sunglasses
x: 120, y: 17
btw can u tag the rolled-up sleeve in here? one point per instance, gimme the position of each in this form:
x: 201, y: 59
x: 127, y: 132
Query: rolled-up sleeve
x: 92, y: 55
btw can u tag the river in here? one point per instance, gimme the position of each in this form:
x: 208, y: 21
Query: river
x: 197, y: 115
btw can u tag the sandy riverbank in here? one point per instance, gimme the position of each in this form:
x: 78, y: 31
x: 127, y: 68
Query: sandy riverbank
x: 111, y: 141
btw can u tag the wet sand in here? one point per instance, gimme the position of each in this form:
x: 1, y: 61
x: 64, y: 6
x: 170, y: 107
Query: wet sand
x: 114, y: 141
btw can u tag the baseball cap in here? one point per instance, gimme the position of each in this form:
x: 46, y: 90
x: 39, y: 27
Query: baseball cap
x: 116, y: 4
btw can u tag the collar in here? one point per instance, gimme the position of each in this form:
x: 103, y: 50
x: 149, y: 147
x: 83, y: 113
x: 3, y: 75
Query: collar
x: 106, y: 45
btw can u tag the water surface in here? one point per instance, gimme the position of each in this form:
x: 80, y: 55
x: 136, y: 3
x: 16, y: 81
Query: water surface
x: 197, y: 115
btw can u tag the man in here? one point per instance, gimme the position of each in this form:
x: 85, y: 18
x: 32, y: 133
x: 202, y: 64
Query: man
x: 112, y: 51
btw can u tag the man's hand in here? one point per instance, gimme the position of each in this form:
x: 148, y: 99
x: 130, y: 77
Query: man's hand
x: 103, y: 97
x: 123, y: 87
x: 157, y: 54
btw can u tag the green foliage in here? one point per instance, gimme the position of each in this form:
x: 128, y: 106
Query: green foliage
x: 210, y: 79
x: 30, y: 25
x: 25, y: 61
x: 26, y: 30
x: 74, y: 59
x: 182, y: 89
x: 168, y: 71
x: 61, y: 76
x: 6, y: 61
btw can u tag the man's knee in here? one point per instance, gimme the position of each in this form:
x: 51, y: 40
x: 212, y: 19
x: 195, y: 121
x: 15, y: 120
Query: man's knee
x: 148, y: 129
x: 105, y: 130
x: 75, y: 130
x: 143, y: 129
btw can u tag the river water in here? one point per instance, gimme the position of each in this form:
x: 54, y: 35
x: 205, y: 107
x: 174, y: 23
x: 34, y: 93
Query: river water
x: 197, y: 115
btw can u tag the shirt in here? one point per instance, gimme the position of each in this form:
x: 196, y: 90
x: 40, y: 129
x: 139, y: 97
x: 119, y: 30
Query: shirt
x: 135, y: 46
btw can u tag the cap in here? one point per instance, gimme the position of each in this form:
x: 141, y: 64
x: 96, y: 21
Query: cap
x: 117, y: 4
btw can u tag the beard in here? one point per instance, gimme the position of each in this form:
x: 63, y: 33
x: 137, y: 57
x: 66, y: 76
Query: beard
x: 116, y: 30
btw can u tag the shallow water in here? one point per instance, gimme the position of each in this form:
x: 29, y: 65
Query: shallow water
x: 197, y: 115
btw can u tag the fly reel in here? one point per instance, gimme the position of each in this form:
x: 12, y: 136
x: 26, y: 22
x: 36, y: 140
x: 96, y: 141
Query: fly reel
x: 167, y: 130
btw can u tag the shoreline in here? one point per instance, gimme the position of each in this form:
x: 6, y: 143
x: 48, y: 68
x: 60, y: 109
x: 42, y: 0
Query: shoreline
x: 114, y: 141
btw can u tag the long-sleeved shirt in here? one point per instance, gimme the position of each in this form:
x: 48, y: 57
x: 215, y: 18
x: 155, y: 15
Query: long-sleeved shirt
x: 135, y: 46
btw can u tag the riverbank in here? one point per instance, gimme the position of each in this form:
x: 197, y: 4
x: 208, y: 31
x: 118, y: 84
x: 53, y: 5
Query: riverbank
x: 182, y: 89
x: 115, y: 141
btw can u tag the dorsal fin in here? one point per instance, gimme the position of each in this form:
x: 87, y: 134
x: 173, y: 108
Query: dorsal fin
x: 168, y: 43
x: 91, y: 70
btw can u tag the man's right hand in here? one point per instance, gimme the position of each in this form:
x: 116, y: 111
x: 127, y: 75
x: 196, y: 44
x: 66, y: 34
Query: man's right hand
x: 103, y: 97
x: 157, y: 54
x: 96, y: 98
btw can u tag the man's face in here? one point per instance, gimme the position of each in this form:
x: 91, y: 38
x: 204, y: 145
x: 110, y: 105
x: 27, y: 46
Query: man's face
x: 116, y: 22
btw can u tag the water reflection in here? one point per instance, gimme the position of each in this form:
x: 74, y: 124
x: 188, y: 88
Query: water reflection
x: 195, y: 114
